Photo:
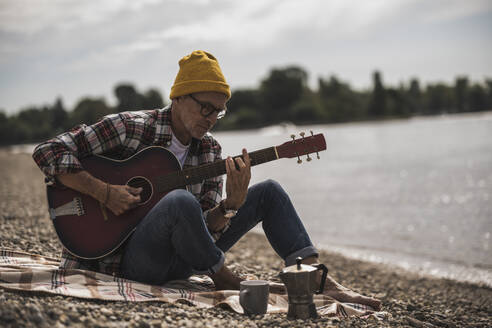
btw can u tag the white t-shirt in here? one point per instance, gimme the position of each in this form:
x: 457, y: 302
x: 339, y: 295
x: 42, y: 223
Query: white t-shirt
x: 178, y: 149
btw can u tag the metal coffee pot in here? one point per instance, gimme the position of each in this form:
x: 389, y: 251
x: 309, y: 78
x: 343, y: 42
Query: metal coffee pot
x: 301, y: 283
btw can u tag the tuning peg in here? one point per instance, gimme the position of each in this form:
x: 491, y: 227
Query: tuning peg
x: 308, y: 158
x: 317, y: 154
x: 293, y: 136
x: 299, y: 160
x: 302, y: 134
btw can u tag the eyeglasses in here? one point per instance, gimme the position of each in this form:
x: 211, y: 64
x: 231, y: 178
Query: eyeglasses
x: 208, y: 109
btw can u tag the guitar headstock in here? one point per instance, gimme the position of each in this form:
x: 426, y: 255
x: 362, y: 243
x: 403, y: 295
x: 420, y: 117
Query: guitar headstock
x: 302, y: 146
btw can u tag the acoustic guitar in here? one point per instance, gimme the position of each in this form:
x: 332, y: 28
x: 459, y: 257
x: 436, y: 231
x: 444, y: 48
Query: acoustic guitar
x: 89, y: 230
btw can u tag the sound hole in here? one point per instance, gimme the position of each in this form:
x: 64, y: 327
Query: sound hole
x: 138, y: 182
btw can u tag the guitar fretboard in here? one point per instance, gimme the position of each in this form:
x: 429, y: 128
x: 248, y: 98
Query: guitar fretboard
x: 197, y: 174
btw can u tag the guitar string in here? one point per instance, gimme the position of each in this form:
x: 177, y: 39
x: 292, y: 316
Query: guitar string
x: 177, y: 178
x: 203, y: 172
x: 216, y: 168
x: 211, y: 169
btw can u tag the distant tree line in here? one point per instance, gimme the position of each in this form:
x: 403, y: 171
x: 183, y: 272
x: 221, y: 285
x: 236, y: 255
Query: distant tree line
x: 282, y: 96
x: 285, y: 96
x: 35, y: 124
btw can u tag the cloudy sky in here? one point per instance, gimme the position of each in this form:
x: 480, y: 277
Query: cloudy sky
x: 76, y: 48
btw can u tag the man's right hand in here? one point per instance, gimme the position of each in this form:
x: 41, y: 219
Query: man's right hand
x: 122, y: 198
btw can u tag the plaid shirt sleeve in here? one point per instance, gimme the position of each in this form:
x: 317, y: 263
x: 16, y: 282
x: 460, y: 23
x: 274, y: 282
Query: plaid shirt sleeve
x: 211, y: 193
x: 62, y: 153
x: 127, y: 131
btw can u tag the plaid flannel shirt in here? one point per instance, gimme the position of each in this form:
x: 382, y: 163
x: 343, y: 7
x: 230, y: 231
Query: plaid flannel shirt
x: 119, y: 136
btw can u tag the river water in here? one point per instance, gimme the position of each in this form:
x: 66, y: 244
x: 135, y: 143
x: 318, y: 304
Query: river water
x: 413, y: 193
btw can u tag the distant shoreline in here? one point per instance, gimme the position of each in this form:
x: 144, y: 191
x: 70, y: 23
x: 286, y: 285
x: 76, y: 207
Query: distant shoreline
x: 432, y: 268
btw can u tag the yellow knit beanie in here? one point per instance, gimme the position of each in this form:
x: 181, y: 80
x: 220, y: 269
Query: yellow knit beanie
x: 199, y: 72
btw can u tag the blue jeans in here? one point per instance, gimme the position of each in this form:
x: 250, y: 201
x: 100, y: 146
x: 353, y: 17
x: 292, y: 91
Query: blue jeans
x: 173, y: 242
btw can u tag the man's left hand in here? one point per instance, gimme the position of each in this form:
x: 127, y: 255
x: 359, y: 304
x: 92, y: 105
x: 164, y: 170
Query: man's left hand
x: 237, y: 180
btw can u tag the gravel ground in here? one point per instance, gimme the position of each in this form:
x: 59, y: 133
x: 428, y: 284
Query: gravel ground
x: 412, y: 300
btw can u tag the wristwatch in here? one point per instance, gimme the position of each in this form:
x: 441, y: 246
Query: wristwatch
x: 227, y: 212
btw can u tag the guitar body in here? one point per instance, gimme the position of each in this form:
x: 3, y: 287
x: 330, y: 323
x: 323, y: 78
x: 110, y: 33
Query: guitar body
x: 95, y: 231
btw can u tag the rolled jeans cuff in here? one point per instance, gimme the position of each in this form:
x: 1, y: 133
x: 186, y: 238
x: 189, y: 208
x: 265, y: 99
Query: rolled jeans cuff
x: 302, y: 253
x: 213, y: 269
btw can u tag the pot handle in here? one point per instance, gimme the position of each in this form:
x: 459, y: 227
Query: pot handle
x: 323, y: 276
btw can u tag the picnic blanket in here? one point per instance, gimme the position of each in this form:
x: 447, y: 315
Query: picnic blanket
x: 36, y: 273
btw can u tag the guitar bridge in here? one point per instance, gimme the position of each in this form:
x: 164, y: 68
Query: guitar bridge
x: 74, y: 207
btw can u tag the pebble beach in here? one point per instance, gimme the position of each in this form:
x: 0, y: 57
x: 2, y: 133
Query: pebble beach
x: 412, y: 300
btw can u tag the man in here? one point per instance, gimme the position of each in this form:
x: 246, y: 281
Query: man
x: 187, y: 231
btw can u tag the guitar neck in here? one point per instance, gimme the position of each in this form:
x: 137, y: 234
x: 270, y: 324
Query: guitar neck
x: 197, y: 174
